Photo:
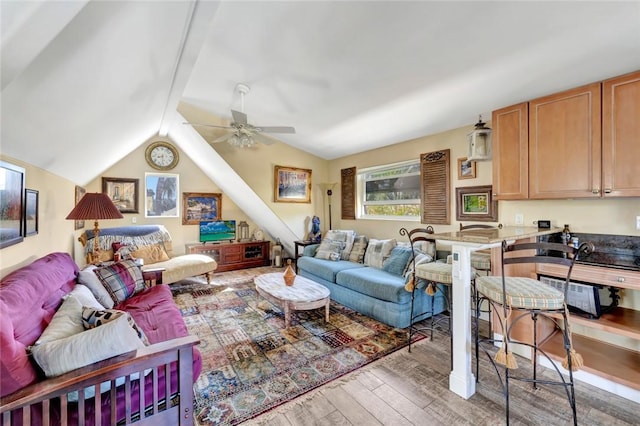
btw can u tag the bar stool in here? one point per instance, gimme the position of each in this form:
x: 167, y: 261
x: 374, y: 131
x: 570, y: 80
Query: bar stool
x: 437, y: 278
x: 515, y: 298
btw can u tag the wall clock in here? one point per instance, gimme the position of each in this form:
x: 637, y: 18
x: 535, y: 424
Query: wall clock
x: 161, y: 155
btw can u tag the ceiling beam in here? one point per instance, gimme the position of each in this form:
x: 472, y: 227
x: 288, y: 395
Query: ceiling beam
x: 195, y: 31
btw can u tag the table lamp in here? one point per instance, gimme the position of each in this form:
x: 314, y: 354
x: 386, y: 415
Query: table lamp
x: 94, y: 207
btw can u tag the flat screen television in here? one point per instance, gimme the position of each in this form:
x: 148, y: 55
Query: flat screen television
x: 217, y: 230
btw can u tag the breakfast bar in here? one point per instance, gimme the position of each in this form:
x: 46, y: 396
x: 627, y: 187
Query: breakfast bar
x: 462, y: 380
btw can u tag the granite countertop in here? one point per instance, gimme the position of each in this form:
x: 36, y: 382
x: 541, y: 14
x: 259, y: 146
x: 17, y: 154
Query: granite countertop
x: 490, y: 236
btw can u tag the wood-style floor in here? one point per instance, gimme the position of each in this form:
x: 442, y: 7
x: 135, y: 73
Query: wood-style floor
x: 413, y: 389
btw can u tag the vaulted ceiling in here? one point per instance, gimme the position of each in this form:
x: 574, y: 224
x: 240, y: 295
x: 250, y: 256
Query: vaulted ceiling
x: 102, y: 77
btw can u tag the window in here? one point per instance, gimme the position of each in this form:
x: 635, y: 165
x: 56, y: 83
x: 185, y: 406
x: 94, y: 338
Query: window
x: 391, y: 191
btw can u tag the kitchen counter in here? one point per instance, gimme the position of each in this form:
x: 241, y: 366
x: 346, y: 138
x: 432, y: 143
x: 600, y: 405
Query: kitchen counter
x: 492, y: 236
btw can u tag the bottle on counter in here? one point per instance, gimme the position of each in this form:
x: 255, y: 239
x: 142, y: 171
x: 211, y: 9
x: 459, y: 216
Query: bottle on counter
x: 566, y: 237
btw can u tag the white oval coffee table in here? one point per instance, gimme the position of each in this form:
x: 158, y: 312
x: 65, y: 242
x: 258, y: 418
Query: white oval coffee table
x: 304, y: 294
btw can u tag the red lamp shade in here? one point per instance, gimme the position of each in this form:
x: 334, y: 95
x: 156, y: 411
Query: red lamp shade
x: 95, y: 206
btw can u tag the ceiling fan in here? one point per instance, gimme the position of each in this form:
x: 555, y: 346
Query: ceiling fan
x: 242, y: 133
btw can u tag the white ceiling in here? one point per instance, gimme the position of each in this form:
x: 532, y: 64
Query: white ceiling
x: 100, y: 77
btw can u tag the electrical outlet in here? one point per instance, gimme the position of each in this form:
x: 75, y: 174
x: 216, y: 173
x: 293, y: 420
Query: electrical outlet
x: 519, y: 219
x: 134, y: 219
x: 637, y: 222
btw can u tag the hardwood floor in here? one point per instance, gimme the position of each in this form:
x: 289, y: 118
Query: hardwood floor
x: 413, y: 389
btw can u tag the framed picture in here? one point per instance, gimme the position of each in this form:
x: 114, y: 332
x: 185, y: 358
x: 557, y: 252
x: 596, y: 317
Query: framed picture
x: 197, y: 206
x: 161, y: 195
x: 466, y: 168
x: 31, y: 212
x: 123, y: 192
x: 292, y: 185
x: 80, y: 191
x: 475, y: 203
x: 12, y: 193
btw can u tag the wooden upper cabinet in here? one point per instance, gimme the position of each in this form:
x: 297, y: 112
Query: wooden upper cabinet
x: 621, y: 136
x: 511, y: 152
x: 565, y: 144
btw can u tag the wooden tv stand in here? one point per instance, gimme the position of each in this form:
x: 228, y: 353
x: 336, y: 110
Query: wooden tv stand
x: 231, y: 256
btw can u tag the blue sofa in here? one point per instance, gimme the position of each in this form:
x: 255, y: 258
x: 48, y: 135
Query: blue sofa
x: 371, y: 291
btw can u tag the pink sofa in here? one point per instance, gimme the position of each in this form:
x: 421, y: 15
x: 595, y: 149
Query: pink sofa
x: 29, y: 298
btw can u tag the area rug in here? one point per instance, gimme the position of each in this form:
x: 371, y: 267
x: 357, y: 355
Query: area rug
x: 252, y: 363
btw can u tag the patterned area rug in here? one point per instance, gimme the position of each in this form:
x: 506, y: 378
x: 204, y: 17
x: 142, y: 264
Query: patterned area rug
x: 252, y: 363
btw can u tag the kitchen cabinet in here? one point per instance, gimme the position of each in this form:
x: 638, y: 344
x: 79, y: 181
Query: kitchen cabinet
x: 232, y: 256
x: 511, y: 152
x: 621, y: 136
x: 565, y: 144
x: 580, y: 143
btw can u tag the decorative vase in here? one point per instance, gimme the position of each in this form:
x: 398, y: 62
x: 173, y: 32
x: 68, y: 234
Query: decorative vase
x: 289, y: 274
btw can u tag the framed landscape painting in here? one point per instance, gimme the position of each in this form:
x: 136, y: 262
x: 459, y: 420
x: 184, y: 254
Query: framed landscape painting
x: 12, y: 193
x: 292, y: 185
x: 161, y: 195
x: 198, y: 206
x: 475, y: 203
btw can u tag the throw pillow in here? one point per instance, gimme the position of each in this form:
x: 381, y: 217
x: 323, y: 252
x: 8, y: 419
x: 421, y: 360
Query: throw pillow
x: 359, y: 248
x: 66, y: 322
x: 348, y: 236
x: 378, y: 251
x: 88, y: 278
x: 397, y: 262
x: 330, y: 249
x: 121, y: 280
x: 84, y: 296
x: 419, y: 259
x: 64, y: 355
x: 150, y: 254
x: 92, y: 318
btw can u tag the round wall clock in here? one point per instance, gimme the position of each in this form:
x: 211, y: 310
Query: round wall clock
x: 161, y: 155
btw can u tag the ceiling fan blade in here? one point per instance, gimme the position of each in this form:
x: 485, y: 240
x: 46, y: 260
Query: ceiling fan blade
x: 207, y: 125
x: 262, y: 138
x: 275, y: 129
x: 239, y: 117
x: 222, y: 138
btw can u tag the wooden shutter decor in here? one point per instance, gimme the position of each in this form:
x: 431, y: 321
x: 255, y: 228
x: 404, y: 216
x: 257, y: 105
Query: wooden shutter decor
x: 435, y: 187
x: 348, y: 191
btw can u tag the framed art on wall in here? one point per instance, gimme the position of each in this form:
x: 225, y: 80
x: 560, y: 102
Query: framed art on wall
x: 31, y: 212
x: 161, y: 195
x: 466, y: 168
x: 197, y: 206
x: 292, y: 185
x: 123, y: 192
x: 475, y: 203
x: 79, y: 193
x: 12, y: 193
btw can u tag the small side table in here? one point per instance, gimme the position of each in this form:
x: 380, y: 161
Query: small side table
x: 297, y: 253
x: 152, y: 276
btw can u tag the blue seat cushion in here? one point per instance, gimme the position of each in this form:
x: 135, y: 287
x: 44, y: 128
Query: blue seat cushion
x: 326, y: 269
x: 376, y: 283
